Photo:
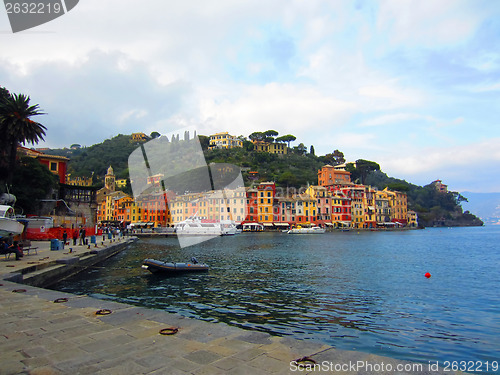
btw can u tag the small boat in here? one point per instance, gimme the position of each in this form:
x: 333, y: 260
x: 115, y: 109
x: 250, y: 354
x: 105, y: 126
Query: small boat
x: 8, y: 223
x: 307, y: 230
x: 157, y: 266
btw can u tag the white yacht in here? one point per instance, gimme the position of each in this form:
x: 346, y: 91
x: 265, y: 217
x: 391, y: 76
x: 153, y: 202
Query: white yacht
x: 306, y: 230
x: 8, y: 223
x: 194, y: 226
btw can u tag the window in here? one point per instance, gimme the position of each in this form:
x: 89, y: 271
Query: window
x: 53, y: 166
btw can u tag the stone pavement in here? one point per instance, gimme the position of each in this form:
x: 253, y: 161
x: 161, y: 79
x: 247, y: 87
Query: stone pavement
x: 48, y: 332
x: 43, y: 256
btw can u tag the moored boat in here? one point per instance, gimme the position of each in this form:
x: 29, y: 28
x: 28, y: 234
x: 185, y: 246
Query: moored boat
x: 8, y: 223
x: 307, y: 230
x: 157, y: 266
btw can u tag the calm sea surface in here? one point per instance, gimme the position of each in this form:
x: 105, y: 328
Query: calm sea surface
x: 362, y: 291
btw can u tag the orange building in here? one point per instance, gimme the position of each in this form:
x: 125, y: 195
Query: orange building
x: 333, y: 175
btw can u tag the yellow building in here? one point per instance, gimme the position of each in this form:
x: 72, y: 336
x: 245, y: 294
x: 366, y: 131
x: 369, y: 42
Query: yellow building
x: 78, y: 181
x: 224, y: 140
x: 273, y: 148
x: 357, y: 193
x: 398, y: 203
x: 107, y: 206
x: 121, y: 183
x: 138, y: 137
x: 412, y: 219
x: 266, y: 192
x: 369, y: 203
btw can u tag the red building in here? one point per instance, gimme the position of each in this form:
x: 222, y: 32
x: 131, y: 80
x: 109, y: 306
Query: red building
x: 56, y: 164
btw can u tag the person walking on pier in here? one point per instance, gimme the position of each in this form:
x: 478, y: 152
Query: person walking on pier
x: 82, y: 236
x: 75, y: 236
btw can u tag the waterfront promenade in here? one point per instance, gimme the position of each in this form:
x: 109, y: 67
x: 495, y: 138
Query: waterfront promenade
x: 49, y: 332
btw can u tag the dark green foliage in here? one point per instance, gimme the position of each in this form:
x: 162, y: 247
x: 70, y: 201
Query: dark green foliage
x: 335, y: 158
x: 433, y: 207
x: 286, y: 139
x: 361, y: 169
x: 33, y: 182
x: 16, y: 127
x: 204, y: 142
x: 286, y: 170
x: 98, y: 158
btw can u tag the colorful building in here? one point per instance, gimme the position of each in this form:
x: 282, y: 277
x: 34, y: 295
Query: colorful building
x: 333, y: 175
x: 412, y: 219
x: 138, y: 137
x: 323, y: 204
x: 438, y: 184
x: 252, y: 206
x: 224, y: 140
x: 382, y: 208
x: 56, y: 164
x: 78, y: 181
x: 369, y: 203
x: 398, y: 204
x: 272, y: 148
x: 341, y: 209
x: 266, y: 193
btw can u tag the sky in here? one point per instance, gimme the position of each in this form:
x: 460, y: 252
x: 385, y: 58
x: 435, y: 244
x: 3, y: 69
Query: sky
x: 412, y: 85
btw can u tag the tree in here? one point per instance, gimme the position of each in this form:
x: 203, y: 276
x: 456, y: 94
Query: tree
x: 335, y: 158
x: 4, y: 94
x: 301, y: 149
x: 247, y: 145
x: 257, y: 136
x: 204, y: 141
x: 155, y: 135
x: 269, y: 135
x: 16, y: 127
x: 27, y: 193
x: 286, y: 138
x: 311, y: 150
x: 361, y: 169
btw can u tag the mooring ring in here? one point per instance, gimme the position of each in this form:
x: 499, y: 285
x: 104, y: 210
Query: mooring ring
x: 103, y: 312
x: 304, y: 361
x: 169, y: 331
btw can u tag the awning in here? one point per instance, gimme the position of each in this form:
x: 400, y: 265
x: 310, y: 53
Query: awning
x: 281, y: 224
x: 330, y: 224
x: 267, y: 224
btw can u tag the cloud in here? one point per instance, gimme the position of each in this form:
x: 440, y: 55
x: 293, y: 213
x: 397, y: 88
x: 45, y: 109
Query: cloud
x: 283, y: 107
x: 409, y: 83
x: 403, y: 118
x: 428, y: 23
x: 96, y: 99
x: 473, y: 164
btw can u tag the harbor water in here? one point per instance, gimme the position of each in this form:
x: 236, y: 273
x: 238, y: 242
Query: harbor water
x: 363, y: 291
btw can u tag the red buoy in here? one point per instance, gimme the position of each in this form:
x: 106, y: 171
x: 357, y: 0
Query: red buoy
x: 428, y: 275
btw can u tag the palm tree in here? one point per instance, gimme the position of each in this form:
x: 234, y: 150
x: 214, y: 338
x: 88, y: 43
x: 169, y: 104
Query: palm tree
x: 16, y: 127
